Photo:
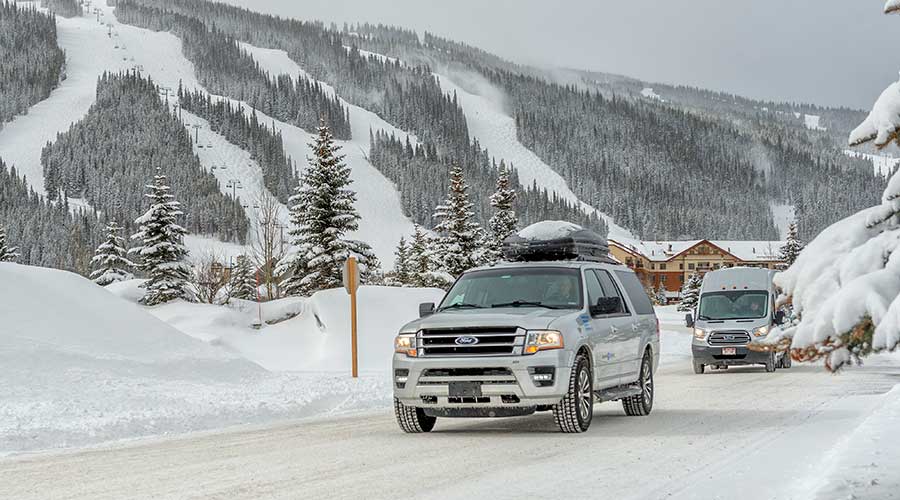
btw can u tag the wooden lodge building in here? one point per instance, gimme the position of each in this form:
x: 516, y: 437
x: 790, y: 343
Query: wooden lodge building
x: 671, y: 262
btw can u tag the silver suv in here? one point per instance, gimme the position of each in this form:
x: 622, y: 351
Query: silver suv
x: 516, y: 338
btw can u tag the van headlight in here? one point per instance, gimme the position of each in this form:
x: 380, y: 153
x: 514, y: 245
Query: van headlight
x: 699, y: 333
x: 406, y: 343
x: 761, y: 331
x: 542, y: 340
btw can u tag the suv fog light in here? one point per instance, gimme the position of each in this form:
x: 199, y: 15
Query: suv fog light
x: 401, y: 375
x: 542, y: 376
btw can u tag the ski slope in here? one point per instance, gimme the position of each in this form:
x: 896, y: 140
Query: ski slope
x: 89, y: 52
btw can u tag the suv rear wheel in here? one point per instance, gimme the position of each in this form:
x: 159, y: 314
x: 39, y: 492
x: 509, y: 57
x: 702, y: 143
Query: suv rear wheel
x: 641, y: 404
x: 412, y: 420
x: 575, y: 410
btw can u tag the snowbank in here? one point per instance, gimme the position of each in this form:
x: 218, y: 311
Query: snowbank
x: 82, y: 365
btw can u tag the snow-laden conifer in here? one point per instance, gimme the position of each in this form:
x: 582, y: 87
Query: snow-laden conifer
x: 7, y: 253
x: 792, y: 247
x: 110, y: 261
x: 459, y: 242
x: 243, y: 279
x: 161, y: 246
x: 690, y: 293
x: 504, y: 220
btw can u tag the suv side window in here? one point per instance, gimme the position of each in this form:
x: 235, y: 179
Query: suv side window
x: 610, y: 289
x: 594, y: 290
x: 636, y: 293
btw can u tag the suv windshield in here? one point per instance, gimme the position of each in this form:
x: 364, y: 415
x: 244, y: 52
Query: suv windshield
x: 552, y: 288
x: 735, y: 304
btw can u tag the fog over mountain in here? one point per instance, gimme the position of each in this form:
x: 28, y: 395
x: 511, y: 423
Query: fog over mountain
x: 801, y: 50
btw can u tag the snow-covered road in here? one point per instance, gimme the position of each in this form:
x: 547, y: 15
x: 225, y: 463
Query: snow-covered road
x: 741, y: 433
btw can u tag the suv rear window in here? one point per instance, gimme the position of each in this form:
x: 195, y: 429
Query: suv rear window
x: 636, y: 293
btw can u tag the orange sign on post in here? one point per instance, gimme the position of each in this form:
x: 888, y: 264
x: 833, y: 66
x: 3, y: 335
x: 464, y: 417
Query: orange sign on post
x: 351, y: 284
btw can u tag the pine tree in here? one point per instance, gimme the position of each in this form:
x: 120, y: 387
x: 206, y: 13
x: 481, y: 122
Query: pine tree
x: 423, y: 263
x: 7, y: 253
x: 793, y: 246
x: 322, y: 213
x: 400, y: 276
x: 661, y: 298
x: 690, y: 293
x: 459, y: 237
x: 504, y: 221
x: 162, y: 251
x: 110, y: 259
x: 243, y: 279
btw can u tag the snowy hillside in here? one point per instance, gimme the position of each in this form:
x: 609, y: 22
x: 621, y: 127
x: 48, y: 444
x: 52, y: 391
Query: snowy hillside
x: 100, y: 367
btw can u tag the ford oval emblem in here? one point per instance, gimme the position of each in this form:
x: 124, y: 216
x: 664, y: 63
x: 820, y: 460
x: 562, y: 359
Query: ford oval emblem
x: 729, y: 337
x: 466, y: 340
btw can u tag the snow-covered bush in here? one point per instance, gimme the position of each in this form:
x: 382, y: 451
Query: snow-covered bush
x: 845, y: 285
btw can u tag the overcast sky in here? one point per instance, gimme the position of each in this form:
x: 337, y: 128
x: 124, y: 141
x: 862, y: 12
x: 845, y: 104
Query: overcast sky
x: 832, y: 52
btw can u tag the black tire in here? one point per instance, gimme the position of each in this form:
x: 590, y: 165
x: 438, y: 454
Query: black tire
x: 786, y: 360
x: 770, y: 363
x: 641, y: 404
x: 699, y: 368
x: 575, y: 410
x: 412, y: 420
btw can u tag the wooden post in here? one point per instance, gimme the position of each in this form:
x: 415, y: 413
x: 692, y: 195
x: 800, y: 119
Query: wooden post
x: 351, y: 284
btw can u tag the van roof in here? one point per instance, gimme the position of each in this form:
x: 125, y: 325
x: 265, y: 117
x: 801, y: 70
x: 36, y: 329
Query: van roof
x: 577, y: 264
x: 741, y: 278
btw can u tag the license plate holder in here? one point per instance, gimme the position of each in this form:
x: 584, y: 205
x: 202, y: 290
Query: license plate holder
x: 465, y: 389
x: 729, y: 351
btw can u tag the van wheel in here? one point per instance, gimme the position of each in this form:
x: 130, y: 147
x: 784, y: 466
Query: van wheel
x: 786, y: 360
x: 699, y: 368
x: 770, y: 363
x: 641, y: 404
x: 412, y: 420
x: 575, y: 410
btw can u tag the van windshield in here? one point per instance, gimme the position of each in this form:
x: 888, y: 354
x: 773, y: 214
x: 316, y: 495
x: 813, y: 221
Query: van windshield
x: 733, y: 304
x: 546, y: 287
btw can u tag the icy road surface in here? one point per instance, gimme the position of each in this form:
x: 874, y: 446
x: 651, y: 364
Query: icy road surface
x: 740, y: 433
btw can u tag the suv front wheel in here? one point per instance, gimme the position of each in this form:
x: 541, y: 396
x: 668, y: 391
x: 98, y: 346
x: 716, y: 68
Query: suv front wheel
x: 412, y: 420
x: 575, y: 410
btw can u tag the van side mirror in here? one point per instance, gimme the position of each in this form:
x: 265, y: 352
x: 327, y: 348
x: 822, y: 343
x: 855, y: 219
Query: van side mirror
x: 779, y: 317
x: 607, y: 305
x: 689, y: 320
x: 426, y: 309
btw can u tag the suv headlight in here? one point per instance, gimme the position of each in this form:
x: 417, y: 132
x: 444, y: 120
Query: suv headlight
x: 542, y: 340
x: 699, y: 333
x: 761, y: 331
x: 405, y: 343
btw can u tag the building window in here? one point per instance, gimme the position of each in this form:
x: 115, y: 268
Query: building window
x: 681, y: 267
x: 662, y: 267
x: 691, y: 266
x: 652, y: 266
x: 662, y: 279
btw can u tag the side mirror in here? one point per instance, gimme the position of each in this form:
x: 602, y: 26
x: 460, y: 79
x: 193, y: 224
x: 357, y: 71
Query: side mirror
x: 607, y: 305
x: 426, y: 309
x: 779, y: 317
x: 689, y: 320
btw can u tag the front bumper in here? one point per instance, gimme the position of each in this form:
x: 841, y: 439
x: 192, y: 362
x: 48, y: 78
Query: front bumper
x: 508, y: 384
x: 709, y: 355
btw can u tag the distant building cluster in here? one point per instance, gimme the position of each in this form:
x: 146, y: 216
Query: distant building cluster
x: 668, y: 264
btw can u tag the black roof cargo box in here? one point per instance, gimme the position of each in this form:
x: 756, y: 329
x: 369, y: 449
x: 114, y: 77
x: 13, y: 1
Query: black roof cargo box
x: 556, y: 240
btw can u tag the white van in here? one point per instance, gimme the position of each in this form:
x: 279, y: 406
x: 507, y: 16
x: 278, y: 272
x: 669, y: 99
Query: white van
x: 736, y: 307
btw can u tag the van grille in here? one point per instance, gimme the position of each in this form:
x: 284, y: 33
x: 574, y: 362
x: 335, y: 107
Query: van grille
x: 729, y: 338
x: 493, y: 341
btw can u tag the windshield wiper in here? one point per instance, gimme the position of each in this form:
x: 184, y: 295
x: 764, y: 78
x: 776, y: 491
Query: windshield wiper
x: 526, y: 303
x: 461, y: 305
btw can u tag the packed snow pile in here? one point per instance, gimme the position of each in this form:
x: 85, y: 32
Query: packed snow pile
x: 82, y: 365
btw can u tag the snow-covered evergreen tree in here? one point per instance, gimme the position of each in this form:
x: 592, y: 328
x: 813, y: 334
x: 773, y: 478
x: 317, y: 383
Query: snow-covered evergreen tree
x: 243, y: 279
x: 459, y: 237
x: 793, y: 246
x: 690, y: 293
x: 660, y: 296
x: 161, y: 250
x: 7, y: 253
x: 504, y: 221
x: 423, y: 262
x: 110, y: 260
x: 400, y: 276
x: 322, y: 213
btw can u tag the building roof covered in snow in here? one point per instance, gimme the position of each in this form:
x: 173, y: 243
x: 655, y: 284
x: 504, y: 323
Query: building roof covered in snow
x: 662, y: 251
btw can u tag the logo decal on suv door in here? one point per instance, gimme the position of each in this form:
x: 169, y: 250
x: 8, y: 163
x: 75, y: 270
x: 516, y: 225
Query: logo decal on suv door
x: 466, y: 340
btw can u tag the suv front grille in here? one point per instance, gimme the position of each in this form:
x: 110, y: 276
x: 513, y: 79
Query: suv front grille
x: 440, y: 376
x: 492, y: 341
x: 729, y: 338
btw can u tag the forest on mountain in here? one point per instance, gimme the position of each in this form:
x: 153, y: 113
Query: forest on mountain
x: 31, y: 62
x: 224, y: 69
x: 422, y: 178
x: 65, y: 8
x: 46, y: 234
x: 111, y: 154
x: 264, y: 143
